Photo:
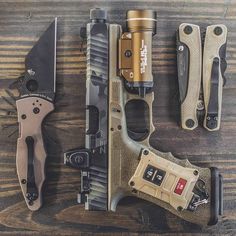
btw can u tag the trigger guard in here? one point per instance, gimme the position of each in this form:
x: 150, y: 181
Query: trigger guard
x: 138, y: 112
x: 115, y: 200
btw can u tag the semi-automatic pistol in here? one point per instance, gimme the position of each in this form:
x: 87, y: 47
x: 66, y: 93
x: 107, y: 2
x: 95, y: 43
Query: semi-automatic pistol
x: 118, y: 160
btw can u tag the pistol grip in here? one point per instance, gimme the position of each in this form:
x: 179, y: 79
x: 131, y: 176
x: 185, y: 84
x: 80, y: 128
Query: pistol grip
x: 31, y: 154
x: 206, y: 214
x: 189, y: 60
x: 158, y: 176
x: 214, y: 65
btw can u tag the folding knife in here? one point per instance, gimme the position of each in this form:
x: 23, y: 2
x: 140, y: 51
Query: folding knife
x: 35, y: 102
x: 201, y: 81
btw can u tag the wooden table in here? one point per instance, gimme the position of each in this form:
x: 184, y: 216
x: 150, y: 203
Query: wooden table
x: 21, y: 24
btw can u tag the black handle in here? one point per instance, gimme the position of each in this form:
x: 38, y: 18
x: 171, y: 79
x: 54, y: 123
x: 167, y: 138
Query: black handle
x: 32, y: 191
x: 212, y: 111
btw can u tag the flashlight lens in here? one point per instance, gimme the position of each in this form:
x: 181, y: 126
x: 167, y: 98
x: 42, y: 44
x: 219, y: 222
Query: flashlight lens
x: 141, y: 20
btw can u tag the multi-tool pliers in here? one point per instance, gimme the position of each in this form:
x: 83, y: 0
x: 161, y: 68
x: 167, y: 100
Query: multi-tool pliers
x: 201, y: 77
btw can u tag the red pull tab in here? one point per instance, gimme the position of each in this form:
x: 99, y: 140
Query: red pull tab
x: 180, y: 186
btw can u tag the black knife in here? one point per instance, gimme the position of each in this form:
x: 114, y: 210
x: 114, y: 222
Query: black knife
x: 36, y: 101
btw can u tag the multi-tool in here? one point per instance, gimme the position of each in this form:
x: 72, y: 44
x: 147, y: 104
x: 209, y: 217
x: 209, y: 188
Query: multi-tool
x: 201, y: 75
x: 36, y: 100
x: 118, y: 160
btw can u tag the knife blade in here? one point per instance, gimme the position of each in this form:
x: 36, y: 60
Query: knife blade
x: 37, y: 92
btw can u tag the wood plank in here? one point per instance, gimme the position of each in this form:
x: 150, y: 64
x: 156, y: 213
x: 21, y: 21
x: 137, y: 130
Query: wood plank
x: 21, y: 24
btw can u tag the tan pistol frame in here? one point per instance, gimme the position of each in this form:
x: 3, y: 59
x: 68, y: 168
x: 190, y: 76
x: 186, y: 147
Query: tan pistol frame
x: 126, y: 160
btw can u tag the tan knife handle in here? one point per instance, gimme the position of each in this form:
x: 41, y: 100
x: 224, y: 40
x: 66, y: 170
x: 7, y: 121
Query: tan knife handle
x: 31, y: 113
x: 189, y: 105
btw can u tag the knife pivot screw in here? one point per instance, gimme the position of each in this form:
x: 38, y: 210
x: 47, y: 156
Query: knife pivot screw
x: 181, y: 48
x: 36, y: 110
x: 132, y: 183
x: 218, y: 30
x: 145, y: 152
x: 23, y: 181
x: 128, y: 53
x: 189, y: 123
x: 195, y: 172
x: 119, y: 127
x: 188, y: 29
x: 23, y: 117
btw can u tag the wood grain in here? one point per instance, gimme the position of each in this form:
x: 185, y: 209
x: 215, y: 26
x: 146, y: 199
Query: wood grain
x: 21, y: 24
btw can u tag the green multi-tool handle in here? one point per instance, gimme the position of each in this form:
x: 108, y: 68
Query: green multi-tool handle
x: 189, y: 53
x: 213, y: 68
x: 201, y: 81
